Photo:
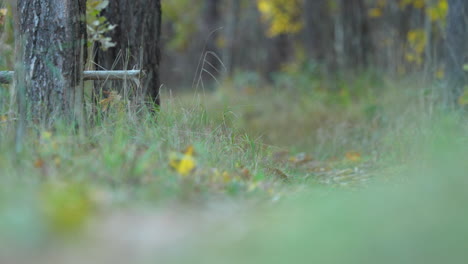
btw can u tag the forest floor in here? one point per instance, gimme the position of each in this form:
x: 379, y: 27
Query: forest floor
x: 358, y: 171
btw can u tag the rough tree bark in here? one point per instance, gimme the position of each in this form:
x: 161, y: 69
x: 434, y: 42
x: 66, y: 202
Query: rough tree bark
x: 456, y: 50
x: 138, y: 34
x: 50, y: 47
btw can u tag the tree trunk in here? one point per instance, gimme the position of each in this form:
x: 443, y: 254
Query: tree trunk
x: 279, y: 51
x: 50, y: 45
x: 318, y: 33
x: 457, y: 50
x: 137, y: 38
x: 231, y: 35
x: 211, y: 64
x: 356, y: 40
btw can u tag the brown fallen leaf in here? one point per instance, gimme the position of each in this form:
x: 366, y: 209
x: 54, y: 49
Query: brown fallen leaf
x: 39, y: 163
x: 279, y: 173
x: 353, y: 156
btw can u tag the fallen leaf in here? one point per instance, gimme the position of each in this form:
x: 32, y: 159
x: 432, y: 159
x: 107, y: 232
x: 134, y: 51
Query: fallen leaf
x: 245, y: 173
x: 39, y: 163
x: 279, y: 173
x: 353, y: 156
x: 183, y: 163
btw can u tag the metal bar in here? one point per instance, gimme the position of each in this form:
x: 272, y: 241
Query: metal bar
x: 7, y: 76
x: 111, y: 75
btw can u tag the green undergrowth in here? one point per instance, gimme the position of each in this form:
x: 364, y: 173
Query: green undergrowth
x: 417, y: 217
x: 271, y: 146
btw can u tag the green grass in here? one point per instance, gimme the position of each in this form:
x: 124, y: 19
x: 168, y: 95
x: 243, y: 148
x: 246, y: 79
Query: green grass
x: 275, y: 181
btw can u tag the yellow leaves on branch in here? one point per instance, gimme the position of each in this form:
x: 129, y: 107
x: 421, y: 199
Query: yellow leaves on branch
x: 417, y: 42
x: 378, y: 10
x: 375, y: 12
x: 437, y: 10
x: 282, y: 16
x: 419, y: 4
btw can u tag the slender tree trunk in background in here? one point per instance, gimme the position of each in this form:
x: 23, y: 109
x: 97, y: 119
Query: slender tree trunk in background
x: 252, y: 45
x: 357, y: 48
x: 50, y: 40
x: 210, y: 31
x: 279, y: 49
x: 137, y: 33
x: 390, y: 34
x: 318, y: 34
x: 231, y: 33
x: 456, y: 50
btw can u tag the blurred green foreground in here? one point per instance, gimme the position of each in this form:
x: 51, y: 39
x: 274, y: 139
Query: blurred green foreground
x: 115, y: 197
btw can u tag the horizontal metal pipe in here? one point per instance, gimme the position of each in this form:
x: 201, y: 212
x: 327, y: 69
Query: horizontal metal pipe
x: 7, y: 76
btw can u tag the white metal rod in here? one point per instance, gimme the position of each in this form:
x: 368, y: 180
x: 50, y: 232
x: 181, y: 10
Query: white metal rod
x: 7, y: 76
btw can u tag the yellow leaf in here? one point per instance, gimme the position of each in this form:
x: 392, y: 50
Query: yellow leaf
x: 221, y: 42
x: 226, y: 177
x: 3, y: 118
x: 440, y: 74
x: 419, y: 4
x: 46, y: 135
x: 463, y: 99
x: 3, y: 13
x: 382, y: 3
x: 375, y: 12
x: 112, y: 98
x: 184, y: 163
x: 190, y: 151
x: 57, y: 161
x: 252, y: 186
x: 66, y: 207
x: 353, y: 156
x: 39, y: 163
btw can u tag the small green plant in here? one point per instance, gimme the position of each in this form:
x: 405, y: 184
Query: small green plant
x: 98, y: 25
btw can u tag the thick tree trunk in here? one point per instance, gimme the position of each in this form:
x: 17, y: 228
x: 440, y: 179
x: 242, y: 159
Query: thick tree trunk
x: 51, y: 36
x: 137, y: 36
x: 457, y: 50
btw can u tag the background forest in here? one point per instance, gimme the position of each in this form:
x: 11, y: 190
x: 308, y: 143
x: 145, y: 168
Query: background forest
x: 328, y: 131
x: 270, y: 37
